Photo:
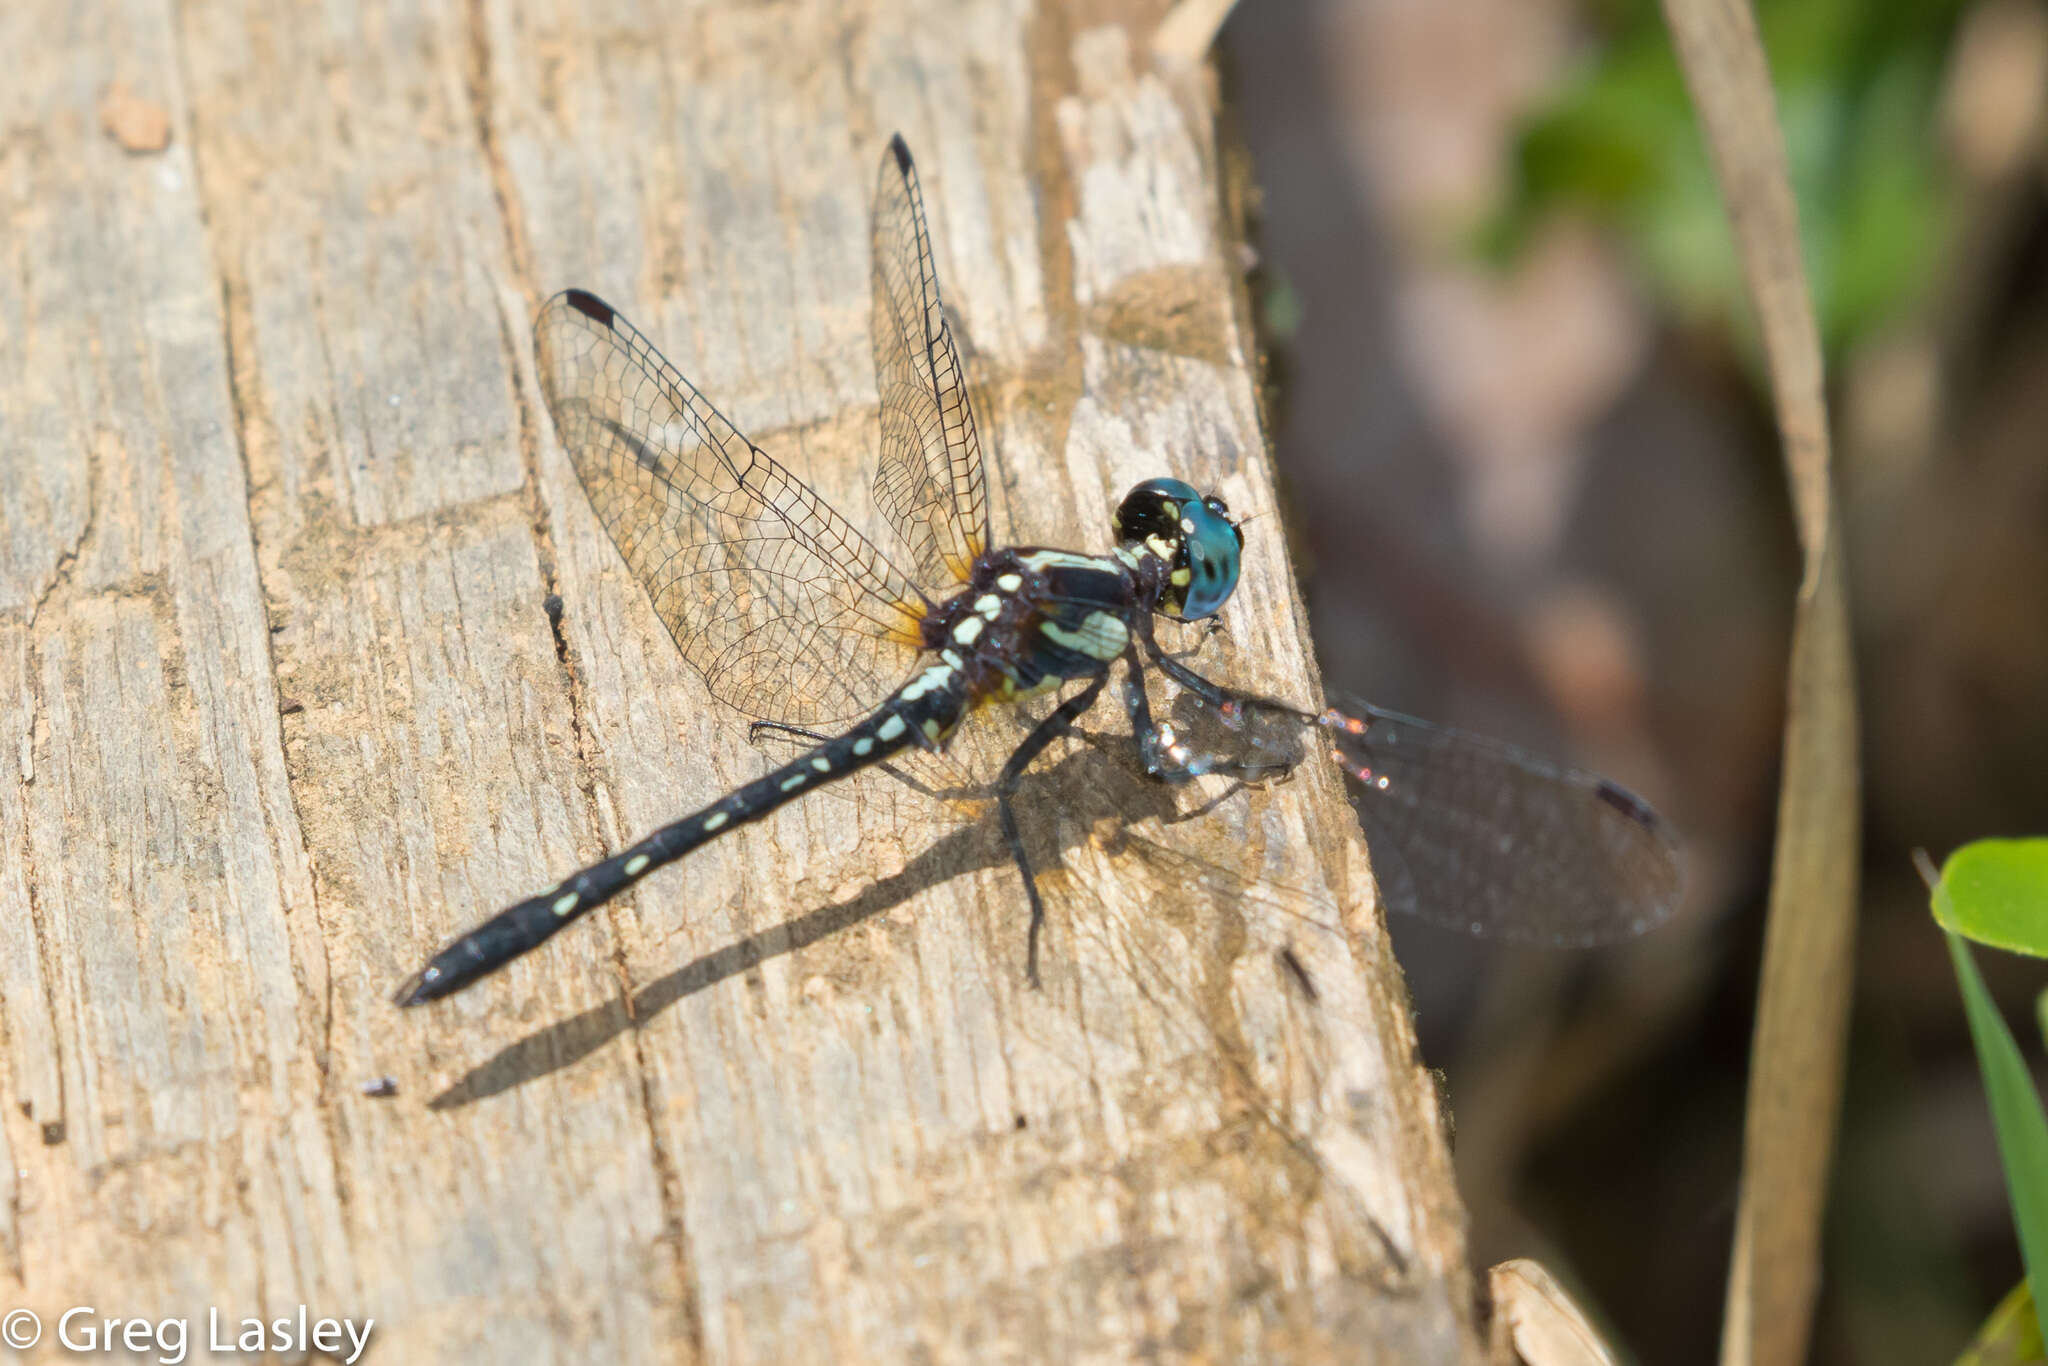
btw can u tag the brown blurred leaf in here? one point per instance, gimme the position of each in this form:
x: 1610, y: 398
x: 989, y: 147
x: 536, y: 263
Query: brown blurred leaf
x: 1537, y: 1322
x: 1185, y: 35
x: 1795, y: 1076
x: 1996, y: 90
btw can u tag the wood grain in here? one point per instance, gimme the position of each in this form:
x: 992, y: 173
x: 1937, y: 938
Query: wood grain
x: 282, y: 708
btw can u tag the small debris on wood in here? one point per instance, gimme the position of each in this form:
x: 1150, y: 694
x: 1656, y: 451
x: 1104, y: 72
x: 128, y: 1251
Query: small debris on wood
x: 1300, y: 974
x: 139, y: 125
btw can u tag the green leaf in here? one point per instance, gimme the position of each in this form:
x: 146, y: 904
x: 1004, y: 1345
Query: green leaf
x: 1996, y: 893
x: 2010, y: 1337
x: 2016, y: 1116
x: 1859, y: 89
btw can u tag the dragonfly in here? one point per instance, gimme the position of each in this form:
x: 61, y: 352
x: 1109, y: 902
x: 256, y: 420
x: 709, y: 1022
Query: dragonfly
x: 869, y: 653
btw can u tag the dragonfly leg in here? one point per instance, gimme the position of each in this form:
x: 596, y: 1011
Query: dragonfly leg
x: 1215, y: 694
x: 1211, y: 630
x: 1169, y: 758
x: 1156, y: 743
x: 1047, y: 731
x: 754, y: 729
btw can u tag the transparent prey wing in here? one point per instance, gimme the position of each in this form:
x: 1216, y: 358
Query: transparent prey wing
x: 929, y: 482
x: 1465, y: 832
x: 1482, y: 837
x: 788, y: 611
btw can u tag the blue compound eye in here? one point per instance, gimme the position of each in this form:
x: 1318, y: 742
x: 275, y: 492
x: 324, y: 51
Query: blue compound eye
x: 1170, y: 521
x: 1212, y: 560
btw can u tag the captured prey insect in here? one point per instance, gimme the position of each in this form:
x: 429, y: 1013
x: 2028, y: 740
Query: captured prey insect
x: 793, y: 616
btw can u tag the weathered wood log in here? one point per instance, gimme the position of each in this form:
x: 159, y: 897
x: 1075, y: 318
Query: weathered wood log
x: 285, y: 702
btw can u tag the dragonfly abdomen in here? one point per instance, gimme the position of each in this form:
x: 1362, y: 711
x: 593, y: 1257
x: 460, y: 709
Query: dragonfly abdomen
x: 922, y: 712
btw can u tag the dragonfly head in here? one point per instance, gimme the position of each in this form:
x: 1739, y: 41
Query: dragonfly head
x: 1192, y: 535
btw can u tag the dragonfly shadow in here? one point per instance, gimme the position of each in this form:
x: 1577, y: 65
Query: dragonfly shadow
x: 1087, y: 786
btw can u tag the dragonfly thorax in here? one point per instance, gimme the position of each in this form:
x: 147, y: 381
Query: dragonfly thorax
x: 1192, y: 538
x: 1031, y: 618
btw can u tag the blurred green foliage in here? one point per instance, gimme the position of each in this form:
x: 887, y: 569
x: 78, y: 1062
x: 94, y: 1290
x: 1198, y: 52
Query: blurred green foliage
x: 1996, y: 893
x: 1858, y: 87
x: 2001, y: 886
x: 2010, y: 1337
x: 2016, y: 1116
